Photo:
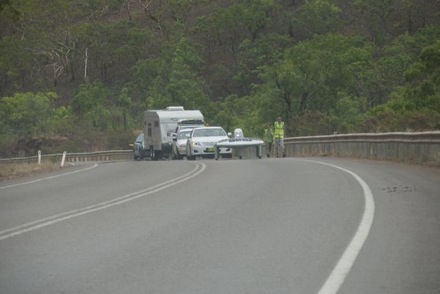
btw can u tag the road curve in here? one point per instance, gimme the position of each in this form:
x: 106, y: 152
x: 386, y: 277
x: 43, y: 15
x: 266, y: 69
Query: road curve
x: 228, y: 226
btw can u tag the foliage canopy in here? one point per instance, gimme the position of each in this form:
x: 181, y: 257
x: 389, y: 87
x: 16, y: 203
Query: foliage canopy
x: 79, y: 74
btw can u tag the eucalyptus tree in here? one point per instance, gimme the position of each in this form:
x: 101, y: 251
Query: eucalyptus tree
x: 314, y: 75
x: 223, y: 36
x: 40, y: 33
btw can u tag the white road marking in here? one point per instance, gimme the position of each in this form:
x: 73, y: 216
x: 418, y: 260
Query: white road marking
x: 331, y: 285
x: 48, y: 178
x: 32, y: 226
x: 345, y: 263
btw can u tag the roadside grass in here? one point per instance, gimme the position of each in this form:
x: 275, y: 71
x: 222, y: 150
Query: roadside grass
x: 18, y: 170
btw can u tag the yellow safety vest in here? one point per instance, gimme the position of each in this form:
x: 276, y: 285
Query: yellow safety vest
x: 278, y: 130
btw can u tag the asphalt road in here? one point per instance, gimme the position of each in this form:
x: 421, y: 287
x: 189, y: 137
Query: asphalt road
x: 286, y: 225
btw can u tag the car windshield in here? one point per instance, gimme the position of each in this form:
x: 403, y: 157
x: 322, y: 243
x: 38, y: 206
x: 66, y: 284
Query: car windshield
x: 184, y: 135
x: 208, y: 133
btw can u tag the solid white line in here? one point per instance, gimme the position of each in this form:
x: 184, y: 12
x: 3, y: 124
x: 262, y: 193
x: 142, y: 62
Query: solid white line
x: 32, y: 226
x: 345, y: 263
x: 48, y: 178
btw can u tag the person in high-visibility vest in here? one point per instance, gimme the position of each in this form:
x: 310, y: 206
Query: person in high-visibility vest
x: 268, y: 139
x: 278, y: 135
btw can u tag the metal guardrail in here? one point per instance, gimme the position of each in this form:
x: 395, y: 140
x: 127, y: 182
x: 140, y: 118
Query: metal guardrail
x: 75, y: 157
x: 417, y: 147
x: 403, y: 137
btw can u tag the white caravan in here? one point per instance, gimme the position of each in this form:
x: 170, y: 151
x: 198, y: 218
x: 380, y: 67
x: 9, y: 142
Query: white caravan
x: 159, y: 127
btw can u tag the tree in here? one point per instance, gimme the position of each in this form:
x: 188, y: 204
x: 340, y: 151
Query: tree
x: 179, y: 83
x: 314, y: 75
x: 416, y: 105
x: 25, y: 117
x: 321, y: 64
x: 319, y: 16
x: 255, y: 55
x: 224, y: 35
x: 424, y: 78
x: 90, y: 105
x: 239, y: 112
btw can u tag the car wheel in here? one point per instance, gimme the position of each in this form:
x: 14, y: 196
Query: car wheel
x: 188, y: 154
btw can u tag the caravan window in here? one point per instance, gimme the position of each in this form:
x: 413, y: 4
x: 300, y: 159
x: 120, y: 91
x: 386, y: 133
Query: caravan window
x: 150, y: 133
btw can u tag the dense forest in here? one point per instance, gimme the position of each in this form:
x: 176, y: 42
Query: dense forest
x: 77, y: 75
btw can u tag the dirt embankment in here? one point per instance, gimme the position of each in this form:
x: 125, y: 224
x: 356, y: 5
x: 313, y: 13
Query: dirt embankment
x: 18, y: 170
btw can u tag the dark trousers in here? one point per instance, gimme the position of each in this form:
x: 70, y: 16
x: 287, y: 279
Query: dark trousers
x: 268, y: 148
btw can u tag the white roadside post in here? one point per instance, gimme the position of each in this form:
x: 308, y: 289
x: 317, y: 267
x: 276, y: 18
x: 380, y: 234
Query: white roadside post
x: 63, y: 158
x: 39, y: 157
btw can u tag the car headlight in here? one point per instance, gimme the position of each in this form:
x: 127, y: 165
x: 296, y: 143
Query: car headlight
x: 196, y: 144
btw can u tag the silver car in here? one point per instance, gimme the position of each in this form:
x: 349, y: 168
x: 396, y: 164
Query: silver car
x: 179, y: 143
x: 138, y: 147
x: 202, y: 143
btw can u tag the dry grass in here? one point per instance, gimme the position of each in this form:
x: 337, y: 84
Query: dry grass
x: 17, y: 170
